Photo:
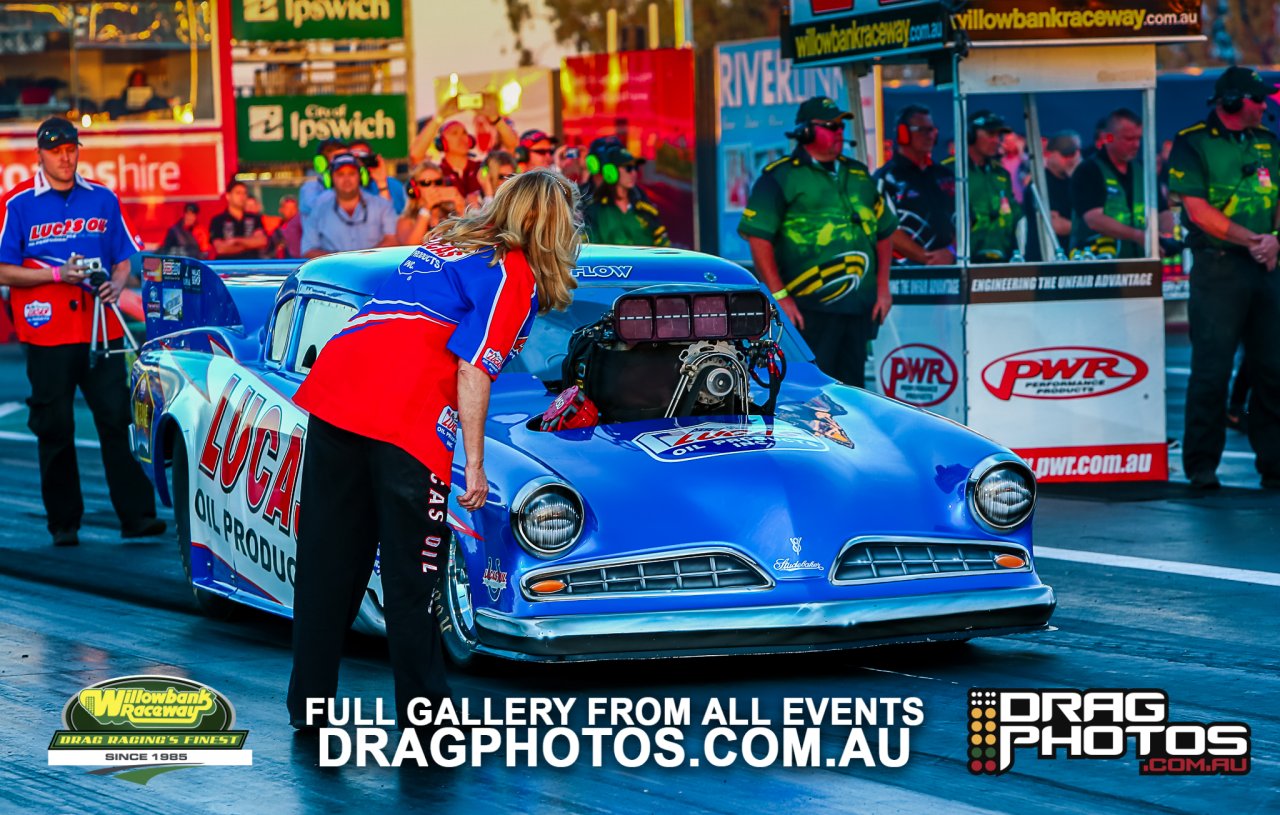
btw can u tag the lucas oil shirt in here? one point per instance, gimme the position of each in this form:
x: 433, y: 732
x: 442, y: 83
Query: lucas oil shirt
x: 392, y: 372
x: 40, y: 228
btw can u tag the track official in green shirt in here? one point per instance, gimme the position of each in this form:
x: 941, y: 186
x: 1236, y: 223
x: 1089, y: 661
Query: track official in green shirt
x: 619, y: 214
x: 994, y: 210
x: 1226, y: 169
x: 819, y: 233
x: 1110, y: 219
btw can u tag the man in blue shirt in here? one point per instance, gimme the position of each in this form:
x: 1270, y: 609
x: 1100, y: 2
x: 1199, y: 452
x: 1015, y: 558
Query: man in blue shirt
x: 346, y: 217
x: 55, y: 229
x: 381, y: 184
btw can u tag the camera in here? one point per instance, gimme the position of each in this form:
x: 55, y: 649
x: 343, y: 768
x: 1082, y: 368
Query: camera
x: 571, y: 153
x: 470, y: 101
x: 369, y: 160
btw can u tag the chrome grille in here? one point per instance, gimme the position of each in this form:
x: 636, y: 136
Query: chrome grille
x: 704, y: 571
x: 865, y: 561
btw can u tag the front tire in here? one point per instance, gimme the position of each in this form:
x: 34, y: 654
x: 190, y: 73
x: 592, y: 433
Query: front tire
x: 212, y: 605
x: 454, y: 611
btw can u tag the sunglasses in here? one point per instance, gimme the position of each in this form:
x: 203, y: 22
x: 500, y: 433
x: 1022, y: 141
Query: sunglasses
x: 543, y: 151
x: 922, y: 128
x: 1258, y: 98
x: 631, y: 168
x: 436, y: 182
x: 838, y: 124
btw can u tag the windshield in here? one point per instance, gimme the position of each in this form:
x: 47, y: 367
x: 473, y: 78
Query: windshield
x: 545, y: 351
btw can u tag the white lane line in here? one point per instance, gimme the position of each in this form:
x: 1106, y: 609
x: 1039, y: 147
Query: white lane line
x: 9, y: 435
x: 10, y: 407
x: 1166, y: 566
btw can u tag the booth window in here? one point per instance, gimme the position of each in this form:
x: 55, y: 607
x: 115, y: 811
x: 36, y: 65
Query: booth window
x: 112, y: 62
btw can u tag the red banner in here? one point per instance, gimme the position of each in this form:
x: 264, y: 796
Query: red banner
x: 154, y: 175
x: 1112, y: 462
x: 643, y: 98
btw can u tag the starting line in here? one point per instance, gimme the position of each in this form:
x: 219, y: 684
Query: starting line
x: 1165, y: 566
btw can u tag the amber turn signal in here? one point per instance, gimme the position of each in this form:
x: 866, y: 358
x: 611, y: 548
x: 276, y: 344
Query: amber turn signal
x: 1010, y: 561
x: 547, y: 586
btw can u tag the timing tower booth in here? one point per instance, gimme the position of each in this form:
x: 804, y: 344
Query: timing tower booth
x: 1063, y: 361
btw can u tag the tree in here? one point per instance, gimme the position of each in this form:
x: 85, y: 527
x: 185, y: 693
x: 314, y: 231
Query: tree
x: 582, y: 23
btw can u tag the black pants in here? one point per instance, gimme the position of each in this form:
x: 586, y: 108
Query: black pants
x: 1233, y: 300
x: 55, y: 372
x: 839, y: 343
x: 1240, y: 388
x: 357, y: 492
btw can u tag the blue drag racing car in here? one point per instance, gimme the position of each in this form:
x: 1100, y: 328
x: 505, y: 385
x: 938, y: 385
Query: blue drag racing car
x: 670, y: 473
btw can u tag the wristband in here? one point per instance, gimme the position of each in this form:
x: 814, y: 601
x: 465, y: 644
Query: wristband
x: 781, y: 294
x: 57, y: 274
x: 495, y: 120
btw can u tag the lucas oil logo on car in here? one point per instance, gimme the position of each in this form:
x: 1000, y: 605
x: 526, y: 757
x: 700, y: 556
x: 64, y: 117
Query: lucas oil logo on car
x: 723, y: 439
x: 1068, y: 372
x: 918, y: 374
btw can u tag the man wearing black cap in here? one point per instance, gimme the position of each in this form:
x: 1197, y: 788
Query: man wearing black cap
x: 994, y: 210
x: 1226, y: 169
x: 55, y: 230
x: 618, y: 215
x: 819, y: 234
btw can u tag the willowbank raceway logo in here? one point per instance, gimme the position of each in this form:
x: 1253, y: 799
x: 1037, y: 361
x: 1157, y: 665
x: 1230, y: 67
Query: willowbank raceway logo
x: 1099, y: 723
x: 148, y: 724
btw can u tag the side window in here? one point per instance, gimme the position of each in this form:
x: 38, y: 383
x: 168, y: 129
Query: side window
x: 321, y: 319
x: 281, y: 328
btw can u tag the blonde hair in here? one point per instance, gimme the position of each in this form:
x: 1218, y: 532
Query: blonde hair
x: 535, y: 213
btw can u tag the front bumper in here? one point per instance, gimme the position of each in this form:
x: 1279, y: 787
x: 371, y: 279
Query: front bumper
x: 821, y: 626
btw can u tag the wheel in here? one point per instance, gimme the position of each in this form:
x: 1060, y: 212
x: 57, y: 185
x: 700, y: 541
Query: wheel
x: 454, y: 611
x: 211, y: 604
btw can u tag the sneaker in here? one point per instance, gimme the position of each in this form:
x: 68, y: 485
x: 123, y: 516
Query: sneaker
x: 66, y: 537
x: 143, y: 529
x: 1205, y: 481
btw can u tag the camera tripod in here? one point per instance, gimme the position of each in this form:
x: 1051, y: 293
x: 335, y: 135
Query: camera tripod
x: 98, y: 352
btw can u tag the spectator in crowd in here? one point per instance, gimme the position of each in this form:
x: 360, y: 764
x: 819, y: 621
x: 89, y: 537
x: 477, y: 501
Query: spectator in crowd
x: 454, y: 143
x: 994, y: 212
x: 181, y: 239
x: 594, y: 163
x: 618, y: 215
x: 432, y: 198
x: 536, y: 149
x: 1061, y: 157
x: 380, y: 182
x: 1107, y: 193
x: 286, y: 241
x: 318, y: 183
x: 346, y: 217
x: 571, y: 161
x: 922, y: 192
x: 237, y: 234
x: 499, y: 166
x: 487, y: 118
x: 1013, y: 157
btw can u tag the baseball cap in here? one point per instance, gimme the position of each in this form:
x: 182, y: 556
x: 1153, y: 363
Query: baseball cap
x: 532, y: 137
x: 620, y: 156
x: 56, y: 131
x: 1240, y: 81
x: 344, y: 160
x: 820, y: 109
x: 991, y: 122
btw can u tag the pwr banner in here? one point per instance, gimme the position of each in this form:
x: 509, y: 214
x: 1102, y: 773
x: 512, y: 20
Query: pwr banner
x: 1065, y: 365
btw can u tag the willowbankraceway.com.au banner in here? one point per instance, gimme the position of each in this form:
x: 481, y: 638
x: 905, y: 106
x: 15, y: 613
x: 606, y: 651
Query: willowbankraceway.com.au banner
x: 820, y: 31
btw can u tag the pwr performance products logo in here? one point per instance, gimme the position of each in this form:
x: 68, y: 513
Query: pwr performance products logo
x: 1068, y: 372
x: 1099, y: 723
x: 918, y: 374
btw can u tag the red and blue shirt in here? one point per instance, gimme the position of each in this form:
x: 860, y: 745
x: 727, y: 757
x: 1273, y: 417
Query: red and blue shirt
x: 392, y: 372
x: 40, y: 228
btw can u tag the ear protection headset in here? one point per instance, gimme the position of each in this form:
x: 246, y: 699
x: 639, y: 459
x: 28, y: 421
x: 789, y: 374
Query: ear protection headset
x: 440, y: 136
x: 902, y: 136
x: 522, y: 154
x: 803, y: 134
x: 1231, y: 103
x: 326, y: 173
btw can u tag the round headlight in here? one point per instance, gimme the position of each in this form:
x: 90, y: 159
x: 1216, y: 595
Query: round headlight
x: 1002, y: 494
x: 546, y: 517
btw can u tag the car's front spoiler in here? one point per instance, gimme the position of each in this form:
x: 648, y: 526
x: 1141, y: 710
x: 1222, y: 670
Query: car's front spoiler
x: 819, y: 626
